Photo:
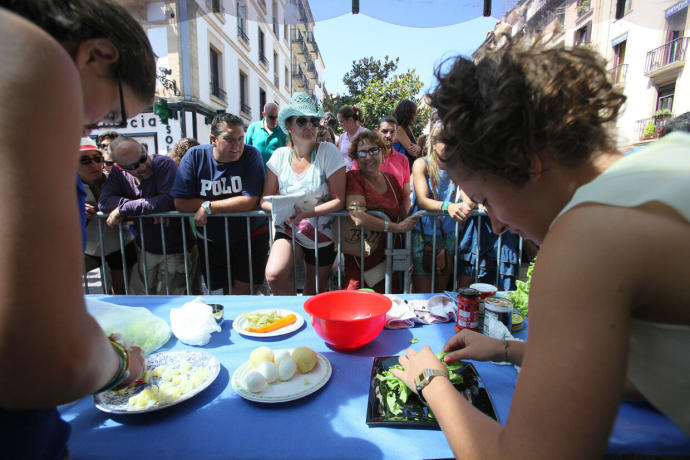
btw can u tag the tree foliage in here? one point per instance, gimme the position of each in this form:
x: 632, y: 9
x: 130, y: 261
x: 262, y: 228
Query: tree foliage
x: 376, y: 89
x: 365, y: 71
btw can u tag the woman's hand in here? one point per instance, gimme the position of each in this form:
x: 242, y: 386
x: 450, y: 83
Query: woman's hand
x: 459, y: 211
x: 414, y: 363
x: 414, y: 150
x: 356, y: 213
x: 407, y: 224
x: 137, y: 366
x: 468, y: 344
x: 297, y: 217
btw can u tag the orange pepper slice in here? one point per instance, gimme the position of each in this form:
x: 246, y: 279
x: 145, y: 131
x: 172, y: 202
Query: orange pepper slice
x: 275, y: 325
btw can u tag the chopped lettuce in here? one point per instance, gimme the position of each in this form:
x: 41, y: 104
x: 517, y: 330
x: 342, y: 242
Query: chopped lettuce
x: 520, y: 296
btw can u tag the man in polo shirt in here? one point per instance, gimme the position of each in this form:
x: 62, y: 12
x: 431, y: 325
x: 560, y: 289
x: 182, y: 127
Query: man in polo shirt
x: 394, y: 162
x: 224, y: 177
x: 140, y: 186
x: 266, y: 135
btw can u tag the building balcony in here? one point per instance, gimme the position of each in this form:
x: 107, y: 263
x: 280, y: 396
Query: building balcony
x: 583, y: 7
x: 263, y: 60
x: 666, y: 57
x: 218, y: 92
x: 618, y: 74
x: 246, y: 109
x: 242, y: 34
x: 649, y: 128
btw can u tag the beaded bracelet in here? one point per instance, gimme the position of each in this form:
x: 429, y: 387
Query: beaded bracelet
x: 122, y: 370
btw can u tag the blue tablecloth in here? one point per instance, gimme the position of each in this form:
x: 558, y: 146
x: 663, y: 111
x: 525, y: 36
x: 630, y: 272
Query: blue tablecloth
x: 217, y: 423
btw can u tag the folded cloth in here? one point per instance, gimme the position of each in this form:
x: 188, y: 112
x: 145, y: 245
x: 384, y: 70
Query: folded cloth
x: 407, y: 313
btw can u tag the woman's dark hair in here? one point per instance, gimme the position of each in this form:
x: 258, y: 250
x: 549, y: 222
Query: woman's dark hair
x: 325, y: 130
x: 524, y: 98
x: 351, y: 111
x: 331, y: 120
x: 405, y: 112
x: 71, y: 22
x: 372, y: 136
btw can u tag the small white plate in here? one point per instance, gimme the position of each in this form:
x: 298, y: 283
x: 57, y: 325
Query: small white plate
x: 240, y: 323
x: 114, y: 403
x: 299, y: 386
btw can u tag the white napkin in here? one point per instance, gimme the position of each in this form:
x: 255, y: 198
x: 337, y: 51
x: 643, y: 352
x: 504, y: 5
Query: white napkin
x: 496, y: 329
x: 283, y: 206
x: 406, y: 313
x: 193, y: 322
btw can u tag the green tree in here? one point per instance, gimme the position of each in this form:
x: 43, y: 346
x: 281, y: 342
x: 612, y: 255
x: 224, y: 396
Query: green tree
x: 365, y: 71
x: 380, y: 98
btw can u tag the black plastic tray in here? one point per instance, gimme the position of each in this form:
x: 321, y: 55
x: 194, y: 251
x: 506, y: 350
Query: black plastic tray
x: 416, y: 414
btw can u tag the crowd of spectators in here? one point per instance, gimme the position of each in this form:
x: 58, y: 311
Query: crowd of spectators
x: 292, y: 164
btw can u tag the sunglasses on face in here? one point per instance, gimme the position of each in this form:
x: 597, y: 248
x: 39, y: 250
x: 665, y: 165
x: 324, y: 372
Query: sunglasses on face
x: 371, y: 152
x: 109, y: 121
x: 109, y: 163
x: 302, y: 121
x: 133, y: 166
x: 87, y: 160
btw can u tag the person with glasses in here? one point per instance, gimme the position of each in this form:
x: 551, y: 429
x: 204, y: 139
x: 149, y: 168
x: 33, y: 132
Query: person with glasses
x: 370, y: 189
x: 98, y: 234
x: 394, y: 162
x: 314, y: 172
x: 350, y: 119
x: 141, y: 185
x: 265, y: 134
x: 82, y: 61
x: 103, y: 142
x: 225, y: 176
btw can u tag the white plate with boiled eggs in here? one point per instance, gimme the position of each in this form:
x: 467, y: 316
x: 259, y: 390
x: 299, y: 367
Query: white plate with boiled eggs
x: 278, y: 379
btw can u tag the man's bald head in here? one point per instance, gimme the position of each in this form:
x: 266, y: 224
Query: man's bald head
x: 270, y: 116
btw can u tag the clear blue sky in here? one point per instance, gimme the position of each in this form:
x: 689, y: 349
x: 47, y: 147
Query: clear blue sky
x: 350, y: 37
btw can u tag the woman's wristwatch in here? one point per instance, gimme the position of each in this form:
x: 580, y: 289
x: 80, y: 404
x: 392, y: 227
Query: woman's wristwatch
x: 424, y: 378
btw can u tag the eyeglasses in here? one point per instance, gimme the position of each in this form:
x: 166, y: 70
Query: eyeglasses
x: 109, y: 163
x: 109, y: 120
x: 371, y: 152
x: 133, y: 166
x: 87, y: 160
x: 302, y: 121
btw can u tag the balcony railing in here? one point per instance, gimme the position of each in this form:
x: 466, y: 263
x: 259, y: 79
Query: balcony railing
x: 245, y: 108
x: 263, y: 60
x: 649, y: 128
x: 665, y: 55
x: 618, y: 74
x: 583, y: 7
x: 218, y: 92
x: 241, y: 34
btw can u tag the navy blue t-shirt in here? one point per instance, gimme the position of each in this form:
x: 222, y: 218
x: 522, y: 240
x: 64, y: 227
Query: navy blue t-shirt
x: 201, y: 176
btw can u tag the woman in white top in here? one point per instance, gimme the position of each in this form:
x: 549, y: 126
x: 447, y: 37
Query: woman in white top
x: 526, y: 134
x: 350, y: 119
x: 310, y: 176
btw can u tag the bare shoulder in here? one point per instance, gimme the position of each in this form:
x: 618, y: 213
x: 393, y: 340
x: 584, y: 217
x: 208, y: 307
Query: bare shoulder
x: 643, y: 249
x: 419, y: 166
x: 35, y: 69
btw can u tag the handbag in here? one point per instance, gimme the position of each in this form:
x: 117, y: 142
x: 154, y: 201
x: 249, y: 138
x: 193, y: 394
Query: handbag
x: 444, y: 264
x: 350, y: 236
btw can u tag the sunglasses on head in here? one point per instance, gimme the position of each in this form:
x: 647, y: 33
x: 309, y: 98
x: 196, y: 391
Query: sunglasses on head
x: 302, y: 121
x: 133, y: 166
x: 87, y: 160
x: 371, y: 152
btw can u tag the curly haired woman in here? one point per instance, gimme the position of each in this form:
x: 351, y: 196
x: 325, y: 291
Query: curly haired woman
x: 526, y: 134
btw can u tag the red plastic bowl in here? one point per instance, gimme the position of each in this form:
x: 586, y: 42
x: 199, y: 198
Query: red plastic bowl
x: 348, y: 319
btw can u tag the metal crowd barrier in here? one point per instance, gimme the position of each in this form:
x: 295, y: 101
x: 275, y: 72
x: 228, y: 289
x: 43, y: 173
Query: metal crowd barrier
x: 398, y: 258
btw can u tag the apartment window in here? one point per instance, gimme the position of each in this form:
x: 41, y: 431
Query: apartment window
x: 276, y: 80
x: 242, y: 21
x: 582, y: 35
x: 244, y: 91
x: 215, y: 6
x: 619, y: 68
x: 262, y: 98
x: 665, y: 96
x: 287, y: 78
x: 274, y: 12
x: 262, y: 48
x: 215, y: 59
x: 622, y: 8
x: 285, y: 32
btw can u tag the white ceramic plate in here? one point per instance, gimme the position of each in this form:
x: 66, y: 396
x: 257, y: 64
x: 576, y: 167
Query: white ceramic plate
x: 114, y: 403
x: 240, y: 323
x: 297, y: 387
